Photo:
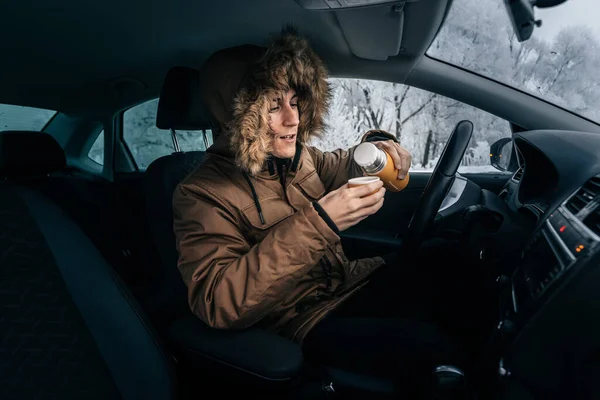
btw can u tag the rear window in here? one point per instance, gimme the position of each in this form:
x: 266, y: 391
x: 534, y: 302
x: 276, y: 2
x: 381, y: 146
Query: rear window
x: 19, y: 118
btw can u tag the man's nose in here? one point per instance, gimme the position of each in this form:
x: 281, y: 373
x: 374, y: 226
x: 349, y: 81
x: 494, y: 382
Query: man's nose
x: 290, y: 115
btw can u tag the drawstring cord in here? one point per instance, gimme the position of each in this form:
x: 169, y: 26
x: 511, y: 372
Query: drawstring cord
x: 280, y: 163
x: 256, y: 202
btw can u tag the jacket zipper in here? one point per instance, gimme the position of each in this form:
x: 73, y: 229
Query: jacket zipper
x: 282, y: 176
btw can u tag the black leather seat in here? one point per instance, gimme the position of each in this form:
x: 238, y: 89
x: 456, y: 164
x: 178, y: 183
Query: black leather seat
x: 93, y: 202
x: 168, y: 292
x: 69, y: 328
x: 177, y: 107
x: 253, y: 354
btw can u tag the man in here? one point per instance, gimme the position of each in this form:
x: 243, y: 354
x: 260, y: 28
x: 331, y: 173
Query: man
x: 258, y: 223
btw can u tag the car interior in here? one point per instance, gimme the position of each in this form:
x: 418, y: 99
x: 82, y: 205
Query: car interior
x: 92, y: 303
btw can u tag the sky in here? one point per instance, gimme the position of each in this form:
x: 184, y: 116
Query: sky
x: 572, y: 12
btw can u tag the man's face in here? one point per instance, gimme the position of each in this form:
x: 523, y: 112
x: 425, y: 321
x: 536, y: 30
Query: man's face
x: 283, y: 121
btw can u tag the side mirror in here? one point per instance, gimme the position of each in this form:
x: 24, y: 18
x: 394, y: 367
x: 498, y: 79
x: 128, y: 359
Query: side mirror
x: 501, y: 153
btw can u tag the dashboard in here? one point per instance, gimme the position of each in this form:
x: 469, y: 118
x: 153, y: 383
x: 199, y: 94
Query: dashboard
x: 551, y: 299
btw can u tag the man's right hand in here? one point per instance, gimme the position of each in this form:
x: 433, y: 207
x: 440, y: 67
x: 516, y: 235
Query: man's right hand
x: 348, y: 206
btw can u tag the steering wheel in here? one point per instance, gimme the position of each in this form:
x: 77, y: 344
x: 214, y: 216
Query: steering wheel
x: 436, y: 189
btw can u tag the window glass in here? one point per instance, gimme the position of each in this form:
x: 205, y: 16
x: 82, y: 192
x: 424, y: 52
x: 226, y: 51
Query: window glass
x: 559, y: 63
x: 21, y: 118
x: 147, y: 143
x: 422, y: 121
x: 96, y: 152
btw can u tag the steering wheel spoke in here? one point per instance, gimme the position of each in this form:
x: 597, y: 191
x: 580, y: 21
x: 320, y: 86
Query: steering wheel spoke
x: 454, y: 193
x: 443, y: 189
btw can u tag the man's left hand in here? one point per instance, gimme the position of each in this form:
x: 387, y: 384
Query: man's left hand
x: 401, y: 157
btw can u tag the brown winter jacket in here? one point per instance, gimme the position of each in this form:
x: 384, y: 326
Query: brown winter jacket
x: 255, y: 248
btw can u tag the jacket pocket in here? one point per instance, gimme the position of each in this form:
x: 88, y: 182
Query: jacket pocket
x: 311, y: 186
x: 274, y: 210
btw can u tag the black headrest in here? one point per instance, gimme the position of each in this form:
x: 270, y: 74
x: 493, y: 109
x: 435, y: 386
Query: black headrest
x: 29, y: 153
x: 180, y: 104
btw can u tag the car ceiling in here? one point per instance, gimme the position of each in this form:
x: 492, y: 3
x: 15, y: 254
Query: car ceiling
x: 95, y: 57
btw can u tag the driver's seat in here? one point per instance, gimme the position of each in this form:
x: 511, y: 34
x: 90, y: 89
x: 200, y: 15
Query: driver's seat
x: 252, y: 356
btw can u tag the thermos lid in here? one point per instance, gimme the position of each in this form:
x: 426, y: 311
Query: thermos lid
x: 366, y: 154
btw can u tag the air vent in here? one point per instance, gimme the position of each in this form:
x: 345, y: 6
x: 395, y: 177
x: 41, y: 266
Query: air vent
x: 592, y: 221
x: 517, y: 176
x: 587, y: 193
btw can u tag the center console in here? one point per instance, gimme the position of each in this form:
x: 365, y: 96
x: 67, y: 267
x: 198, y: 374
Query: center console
x: 567, y: 237
x: 549, y: 334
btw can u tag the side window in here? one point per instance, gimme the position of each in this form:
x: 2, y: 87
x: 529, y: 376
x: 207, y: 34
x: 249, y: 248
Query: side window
x: 96, y: 152
x: 21, y: 118
x: 147, y: 143
x: 422, y: 121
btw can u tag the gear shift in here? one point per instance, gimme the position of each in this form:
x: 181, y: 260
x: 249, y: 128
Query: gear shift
x: 449, y: 384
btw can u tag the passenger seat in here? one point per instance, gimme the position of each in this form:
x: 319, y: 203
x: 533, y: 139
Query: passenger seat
x: 69, y: 328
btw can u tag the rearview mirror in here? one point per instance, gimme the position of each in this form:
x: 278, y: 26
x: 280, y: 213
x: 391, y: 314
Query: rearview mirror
x: 501, y: 153
x: 522, y: 16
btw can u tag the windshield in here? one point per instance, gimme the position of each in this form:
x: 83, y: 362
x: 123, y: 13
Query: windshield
x: 19, y: 118
x: 559, y: 63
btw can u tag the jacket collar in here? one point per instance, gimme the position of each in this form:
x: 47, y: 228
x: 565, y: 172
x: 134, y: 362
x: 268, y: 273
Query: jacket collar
x: 270, y: 167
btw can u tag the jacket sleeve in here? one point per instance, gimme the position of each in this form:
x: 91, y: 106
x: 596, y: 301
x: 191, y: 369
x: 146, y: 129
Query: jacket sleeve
x: 232, y: 284
x: 336, y: 167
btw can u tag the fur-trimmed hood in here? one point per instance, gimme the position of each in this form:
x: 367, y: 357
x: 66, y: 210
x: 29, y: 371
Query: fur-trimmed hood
x: 235, y: 83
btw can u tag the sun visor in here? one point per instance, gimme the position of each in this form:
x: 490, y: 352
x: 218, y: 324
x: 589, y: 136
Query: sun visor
x: 373, y: 33
x: 372, y: 28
